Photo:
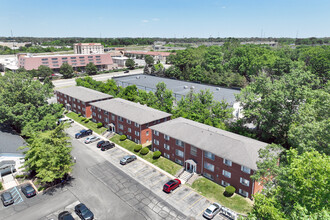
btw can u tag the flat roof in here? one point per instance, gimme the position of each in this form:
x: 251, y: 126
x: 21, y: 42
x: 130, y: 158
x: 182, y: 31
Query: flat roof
x: 10, y: 141
x: 180, y: 88
x: 135, y: 112
x: 84, y: 94
x: 237, y: 148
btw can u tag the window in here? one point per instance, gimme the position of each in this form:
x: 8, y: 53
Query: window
x: 106, y: 120
x: 128, y: 121
x: 156, y: 142
x: 227, y: 162
x: 193, y: 151
x: 244, y: 181
x: 129, y: 137
x: 167, y: 147
x: 44, y: 59
x: 90, y: 56
x: 137, y: 133
x: 112, y: 117
x: 179, y: 153
x: 245, y: 169
x: 74, y: 105
x: 74, y: 99
x: 167, y: 155
x: 44, y: 62
x: 209, y: 166
x: 166, y: 137
x: 99, y: 109
x: 226, y: 173
x: 179, y: 143
x: 83, y: 109
x: 121, y: 126
x: 94, y: 114
x: 155, y: 149
x: 73, y: 58
x: 120, y: 118
x: 54, y: 58
x: 209, y: 155
x: 78, y: 106
x: 78, y: 101
x: 106, y: 113
x: 137, y: 141
x: 147, y: 133
x: 178, y: 161
x: 207, y: 175
x: 74, y: 61
x: 98, y: 56
x: 243, y: 193
x: 224, y: 183
x: 129, y: 130
x: 156, y: 133
x: 136, y: 125
x: 100, y: 116
x: 81, y: 57
x: 55, y: 62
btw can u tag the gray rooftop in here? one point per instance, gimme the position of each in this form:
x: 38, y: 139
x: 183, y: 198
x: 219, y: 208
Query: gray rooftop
x: 239, y: 149
x: 180, y: 88
x: 10, y: 141
x: 130, y: 110
x: 84, y: 94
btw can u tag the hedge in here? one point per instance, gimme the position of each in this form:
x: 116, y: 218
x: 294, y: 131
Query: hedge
x: 229, y: 191
x: 79, y: 114
x: 122, y: 137
x: 99, y: 124
x: 137, y: 148
x: 83, y: 119
x: 87, y: 120
x: 1, y: 186
x: 156, y: 154
x: 144, y: 151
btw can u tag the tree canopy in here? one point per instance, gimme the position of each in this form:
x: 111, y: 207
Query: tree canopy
x: 130, y: 64
x: 91, y: 69
x: 66, y: 70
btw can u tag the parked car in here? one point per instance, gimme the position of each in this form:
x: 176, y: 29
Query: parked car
x: 171, y: 185
x: 65, y: 216
x: 28, y: 190
x: 7, y: 198
x: 127, y: 159
x: 91, y: 139
x: 99, y: 144
x: 83, y: 133
x: 107, y: 145
x: 212, y: 210
x: 67, y: 120
x: 126, y: 71
x: 83, y: 212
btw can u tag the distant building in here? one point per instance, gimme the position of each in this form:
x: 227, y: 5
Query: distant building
x: 88, y: 48
x: 30, y: 62
x: 120, y: 61
x: 161, y: 56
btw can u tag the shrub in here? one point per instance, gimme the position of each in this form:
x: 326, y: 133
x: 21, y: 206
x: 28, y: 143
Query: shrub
x: 156, y: 154
x: 79, y: 114
x: 20, y: 176
x: 144, y: 151
x: 1, y: 187
x: 229, y: 191
x: 87, y: 120
x: 137, y: 148
x: 40, y: 188
x: 99, y: 124
x: 122, y: 137
x: 83, y: 119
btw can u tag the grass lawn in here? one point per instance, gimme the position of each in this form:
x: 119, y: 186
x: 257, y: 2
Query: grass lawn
x: 161, y: 162
x: 214, y: 191
x: 90, y: 124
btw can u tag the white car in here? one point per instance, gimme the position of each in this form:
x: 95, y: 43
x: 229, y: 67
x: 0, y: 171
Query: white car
x: 212, y: 210
x: 91, y: 139
x: 65, y: 120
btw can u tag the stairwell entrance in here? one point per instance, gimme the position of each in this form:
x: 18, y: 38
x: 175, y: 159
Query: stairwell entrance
x: 190, y: 166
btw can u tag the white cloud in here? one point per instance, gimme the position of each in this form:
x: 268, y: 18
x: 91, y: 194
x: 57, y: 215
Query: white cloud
x: 145, y: 21
x: 155, y: 19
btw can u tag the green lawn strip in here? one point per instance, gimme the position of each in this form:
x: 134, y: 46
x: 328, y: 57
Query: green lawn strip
x: 90, y: 124
x: 161, y: 162
x: 214, y: 192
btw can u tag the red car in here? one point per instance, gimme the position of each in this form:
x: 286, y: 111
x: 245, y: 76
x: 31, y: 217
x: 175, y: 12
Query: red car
x: 171, y: 185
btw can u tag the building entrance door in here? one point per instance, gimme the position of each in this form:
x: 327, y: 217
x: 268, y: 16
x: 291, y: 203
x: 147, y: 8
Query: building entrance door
x: 190, y: 166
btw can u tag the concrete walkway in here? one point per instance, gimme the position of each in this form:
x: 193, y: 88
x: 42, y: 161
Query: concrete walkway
x: 9, y: 182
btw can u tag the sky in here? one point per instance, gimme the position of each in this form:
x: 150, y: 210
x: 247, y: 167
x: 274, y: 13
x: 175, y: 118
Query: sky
x: 167, y: 18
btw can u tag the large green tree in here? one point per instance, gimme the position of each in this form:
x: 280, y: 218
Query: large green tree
x: 91, y: 69
x: 149, y: 60
x: 44, y: 71
x: 130, y: 64
x: 66, y: 70
x: 164, y: 98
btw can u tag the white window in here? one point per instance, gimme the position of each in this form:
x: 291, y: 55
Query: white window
x: 78, y: 106
x: 156, y: 133
x: 167, y: 155
x: 106, y: 120
x: 83, y: 103
x: 178, y: 161
x: 155, y: 149
x: 166, y: 137
x: 147, y: 133
x: 207, y: 175
x: 129, y: 130
x: 245, y: 169
x: 244, y: 181
x: 179, y: 143
x: 137, y: 133
x: 179, y: 153
x: 224, y: 183
x: 59, y: 97
x: 83, y: 109
x: 129, y: 137
x: 243, y: 193
x: 94, y: 114
x: 100, y: 116
x: 74, y: 105
x: 78, y: 101
x: 74, y: 99
x: 112, y: 117
x: 121, y: 126
x: 99, y: 109
x: 106, y: 113
x: 209, y: 166
x: 227, y: 162
x: 69, y: 98
x: 209, y: 155
x: 167, y: 147
x: 156, y: 142
x: 136, y: 125
x: 226, y: 173
x: 193, y: 151
x: 65, y: 96
x: 128, y: 121
x: 137, y: 141
x: 120, y: 118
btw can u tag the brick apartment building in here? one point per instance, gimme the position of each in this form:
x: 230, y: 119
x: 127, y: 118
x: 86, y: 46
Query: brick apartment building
x: 222, y: 156
x: 128, y: 118
x: 78, y: 99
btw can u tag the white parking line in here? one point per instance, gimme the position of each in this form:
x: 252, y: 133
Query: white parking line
x: 16, y: 195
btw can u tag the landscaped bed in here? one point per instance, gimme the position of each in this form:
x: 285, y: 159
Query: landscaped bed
x: 89, y: 124
x: 161, y: 162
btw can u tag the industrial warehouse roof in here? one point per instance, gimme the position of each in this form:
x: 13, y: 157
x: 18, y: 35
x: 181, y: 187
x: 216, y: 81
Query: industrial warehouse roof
x: 84, y: 94
x: 237, y: 148
x: 135, y: 112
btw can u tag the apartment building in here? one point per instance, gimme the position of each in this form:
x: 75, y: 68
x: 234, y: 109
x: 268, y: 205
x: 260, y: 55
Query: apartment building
x: 78, y: 99
x: 222, y: 156
x: 88, y: 48
x: 128, y: 118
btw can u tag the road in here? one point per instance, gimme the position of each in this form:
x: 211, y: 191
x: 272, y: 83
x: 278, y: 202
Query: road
x: 61, y: 83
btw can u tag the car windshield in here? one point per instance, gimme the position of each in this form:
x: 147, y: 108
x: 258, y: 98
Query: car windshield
x: 208, y: 211
x: 29, y: 189
x: 7, y: 196
x: 170, y: 182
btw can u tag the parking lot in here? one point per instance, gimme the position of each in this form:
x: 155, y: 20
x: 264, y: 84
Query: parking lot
x: 184, y: 199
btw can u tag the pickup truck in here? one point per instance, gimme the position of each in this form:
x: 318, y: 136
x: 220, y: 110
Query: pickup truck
x: 83, y: 133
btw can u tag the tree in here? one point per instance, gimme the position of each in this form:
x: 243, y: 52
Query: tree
x: 130, y: 64
x: 153, y: 69
x: 146, y: 69
x: 164, y: 98
x: 49, y: 83
x: 149, y: 60
x: 66, y: 70
x: 44, y: 71
x: 129, y: 93
x: 91, y: 69
x: 48, y: 155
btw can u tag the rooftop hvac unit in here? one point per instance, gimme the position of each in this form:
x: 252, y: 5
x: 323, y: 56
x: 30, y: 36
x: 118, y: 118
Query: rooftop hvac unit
x: 185, y: 87
x: 218, y: 89
x: 138, y: 77
x: 192, y: 87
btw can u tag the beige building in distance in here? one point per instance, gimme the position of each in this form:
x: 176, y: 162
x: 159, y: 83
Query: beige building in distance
x: 88, y: 48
